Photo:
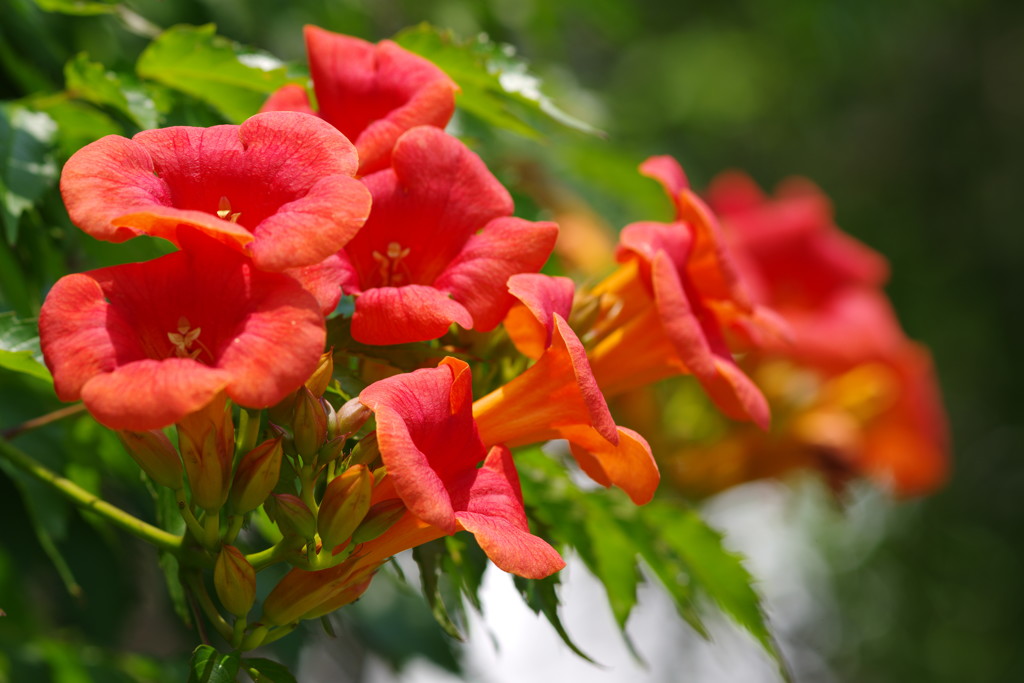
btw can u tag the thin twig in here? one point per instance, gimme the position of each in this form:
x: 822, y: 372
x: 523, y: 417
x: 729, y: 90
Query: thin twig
x: 35, y: 422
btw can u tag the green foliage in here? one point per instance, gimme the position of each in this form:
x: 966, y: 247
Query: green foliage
x: 210, y: 666
x: 262, y: 670
x: 495, y: 84
x: 429, y: 557
x: 194, y: 60
x: 612, y: 536
x: 78, y: 7
x: 27, y: 168
x: 94, y: 83
x: 19, y: 347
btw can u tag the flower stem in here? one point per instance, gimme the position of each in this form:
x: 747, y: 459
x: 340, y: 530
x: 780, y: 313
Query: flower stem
x: 186, y: 513
x: 35, y: 422
x: 195, y: 584
x: 86, y: 500
x: 274, y: 553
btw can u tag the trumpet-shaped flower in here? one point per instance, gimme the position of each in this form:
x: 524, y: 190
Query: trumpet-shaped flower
x: 145, y: 344
x: 876, y: 409
x: 370, y: 92
x: 439, y: 245
x: 558, y: 398
x: 279, y: 187
x: 430, y: 446
x: 668, y: 306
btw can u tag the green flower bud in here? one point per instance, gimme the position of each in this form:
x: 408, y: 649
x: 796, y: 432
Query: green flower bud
x: 366, y: 451
x: 350, y: 417
x: 256, y: 476
x: 331, y: 450
x: 345, y: 503
x: 206, y: 439
x: 292, y: 515
x: 234, y: 579
x: 156, y: 456
x: 379, y: 519
x: 309, y: 424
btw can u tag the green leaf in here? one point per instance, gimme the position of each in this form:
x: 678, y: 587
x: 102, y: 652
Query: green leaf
x: 429, y: 557
x: 540, y: 596
x: 78, y: 123
x: 27, y: 167
x: 495, y: 84
x: 716, y: 571
x: 78, y: 7
x: 263, y: 670
x: 465, y: 564
x: 19, y: 347
x: 615, y: 557
x: 91, y: 81
x: 209, y: 666
x: 230, y: 78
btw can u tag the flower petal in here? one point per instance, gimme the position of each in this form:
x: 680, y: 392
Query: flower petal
x: 531, y: 322
x: 396, y: 315
x: 629, y: 465
x: 478, y: 276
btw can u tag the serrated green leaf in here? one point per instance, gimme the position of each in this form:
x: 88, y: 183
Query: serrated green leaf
x: 429, y: 557
x: 78, y: 7
x: 615, y: 558
x: 91, y: 81
x: 495, y: 84
x: 19, y: 347
x: 541, y: 597
x: 209, y: 666
x: 230, y: 78
x: 716, y: 571
x: 263, y: 670
x: 27, y: 167
x: 465, y: 564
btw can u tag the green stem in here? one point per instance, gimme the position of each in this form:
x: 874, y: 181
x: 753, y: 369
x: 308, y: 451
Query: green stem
x: 211, y: 525
x: 83, y: 499
x: 274, y: 553
x: 278, y: 633
x: 248, y: 430
x: 186, y: 513
x: 195, y: 584
x: 307, y: 487
x: 234, y: 526
x: 42, y: 420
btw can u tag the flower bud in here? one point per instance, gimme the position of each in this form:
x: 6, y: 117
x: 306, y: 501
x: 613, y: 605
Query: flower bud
x: 322, y: 376
x: 206, y: 440
x: 345, y: 504
x: 331, y: 450
x: 153, y: 452
x: 234, y: 579
x: 256, y: 476
x: 379, y: 519
x: 349, y: 418
x: 309, y: 424
x: 292, y: 515
x: 366, y: 451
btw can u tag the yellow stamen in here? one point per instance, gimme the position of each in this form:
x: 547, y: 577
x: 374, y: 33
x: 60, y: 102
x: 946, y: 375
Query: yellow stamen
x: 390, y: 264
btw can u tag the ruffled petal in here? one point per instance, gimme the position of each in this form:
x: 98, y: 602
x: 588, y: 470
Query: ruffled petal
x: 396, y: 315
x: 531, y: 322
x: 150, y: 394
x: 629, y: 464
x: 478, y: 276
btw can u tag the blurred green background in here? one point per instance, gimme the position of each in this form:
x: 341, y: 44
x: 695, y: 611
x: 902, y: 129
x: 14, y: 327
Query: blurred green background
x: 910, y: 115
